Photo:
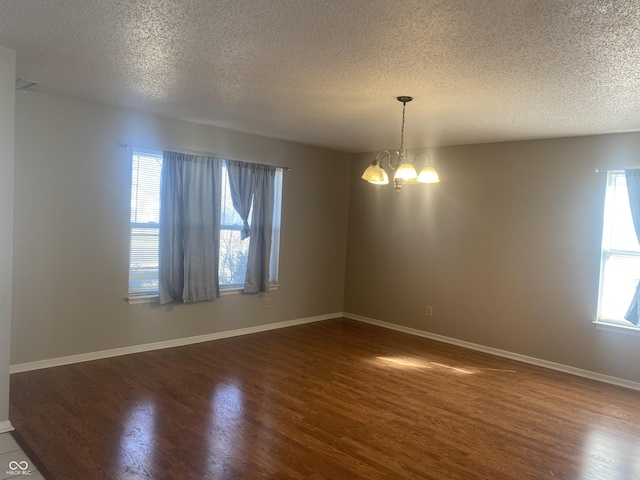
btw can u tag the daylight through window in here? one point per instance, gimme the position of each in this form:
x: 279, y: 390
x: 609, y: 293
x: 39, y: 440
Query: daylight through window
x: 146, y: 170
x: 620, y: 261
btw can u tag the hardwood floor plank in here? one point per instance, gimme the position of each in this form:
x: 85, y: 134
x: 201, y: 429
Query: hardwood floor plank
x: 328, y: 400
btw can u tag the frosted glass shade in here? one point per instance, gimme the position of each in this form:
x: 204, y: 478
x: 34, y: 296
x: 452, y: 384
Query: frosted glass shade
x: 428, y: 175
x: 375, y: 174
x: 406, y: 172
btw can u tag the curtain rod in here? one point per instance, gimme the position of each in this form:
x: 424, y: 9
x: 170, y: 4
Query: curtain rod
x: 605, y: 170
x: 195, y: 152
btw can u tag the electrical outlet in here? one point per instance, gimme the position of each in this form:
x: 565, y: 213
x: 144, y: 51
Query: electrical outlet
x: 267, y: 302
x: 429, y: 311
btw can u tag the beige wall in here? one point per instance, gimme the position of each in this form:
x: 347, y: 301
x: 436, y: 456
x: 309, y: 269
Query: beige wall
x: 7, y: 105
x: 71, y: 234
x: 505, y: 249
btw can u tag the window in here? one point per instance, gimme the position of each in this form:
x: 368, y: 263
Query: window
x: 620, y: 261
x: 146, y: 170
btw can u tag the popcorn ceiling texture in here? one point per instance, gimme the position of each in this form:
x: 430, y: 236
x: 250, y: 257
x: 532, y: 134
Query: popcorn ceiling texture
x: 326, y: 72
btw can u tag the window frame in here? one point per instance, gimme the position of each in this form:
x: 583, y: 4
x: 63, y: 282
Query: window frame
x: 225, y: 289
x: 606, y: 254
x: 140, y: 186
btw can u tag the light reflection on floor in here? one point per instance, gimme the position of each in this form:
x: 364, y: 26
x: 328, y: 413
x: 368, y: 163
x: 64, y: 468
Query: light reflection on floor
x: 137, y: 443
x: 227, y: 410
x: 607, y: 455
x: 405, y: 362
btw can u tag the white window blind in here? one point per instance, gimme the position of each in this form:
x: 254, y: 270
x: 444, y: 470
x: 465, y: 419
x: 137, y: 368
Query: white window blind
x: 146, y: 169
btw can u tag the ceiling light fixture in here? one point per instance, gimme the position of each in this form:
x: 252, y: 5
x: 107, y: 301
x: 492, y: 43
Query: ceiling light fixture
x: 403, y: 165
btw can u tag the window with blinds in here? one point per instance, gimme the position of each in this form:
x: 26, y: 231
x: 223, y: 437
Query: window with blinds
x: 146, y: 170
x: 620, y: 261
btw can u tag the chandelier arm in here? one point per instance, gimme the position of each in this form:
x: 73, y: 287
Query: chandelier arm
x: 394, y: 165
x: 378, y: 161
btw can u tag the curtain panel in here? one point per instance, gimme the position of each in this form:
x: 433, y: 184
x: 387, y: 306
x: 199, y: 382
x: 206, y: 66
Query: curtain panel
x: 252, y: 191
x: 189, y: 238
x: 633, y: 187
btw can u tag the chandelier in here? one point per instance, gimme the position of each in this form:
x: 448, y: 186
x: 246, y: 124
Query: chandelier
x: 403, y: 165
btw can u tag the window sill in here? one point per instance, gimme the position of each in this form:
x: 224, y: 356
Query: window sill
x: 224, y: 291
x: 617, y: 328
x: 143, y: 299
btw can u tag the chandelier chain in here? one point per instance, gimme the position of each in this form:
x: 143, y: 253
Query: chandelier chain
x: 404, y: 105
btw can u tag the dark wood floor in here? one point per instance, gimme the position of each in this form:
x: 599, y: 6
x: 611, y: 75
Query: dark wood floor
x: 330, y: 400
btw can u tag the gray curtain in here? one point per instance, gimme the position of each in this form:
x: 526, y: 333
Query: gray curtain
x: 189, y: 240
x: 633, y: 187
x: 242, y: 185
x: 253, y: 184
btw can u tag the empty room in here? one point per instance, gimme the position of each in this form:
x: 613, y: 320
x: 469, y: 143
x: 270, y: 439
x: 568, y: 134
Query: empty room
x: 319, y: 240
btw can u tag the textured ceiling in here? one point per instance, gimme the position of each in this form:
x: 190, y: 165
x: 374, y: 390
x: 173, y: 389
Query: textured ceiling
x: 326, y: 72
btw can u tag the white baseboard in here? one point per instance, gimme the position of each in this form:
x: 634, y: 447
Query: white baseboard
x: 500, y: 353
x: 6, y: 427
x: 178, y: 342
x: 85, y: 357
